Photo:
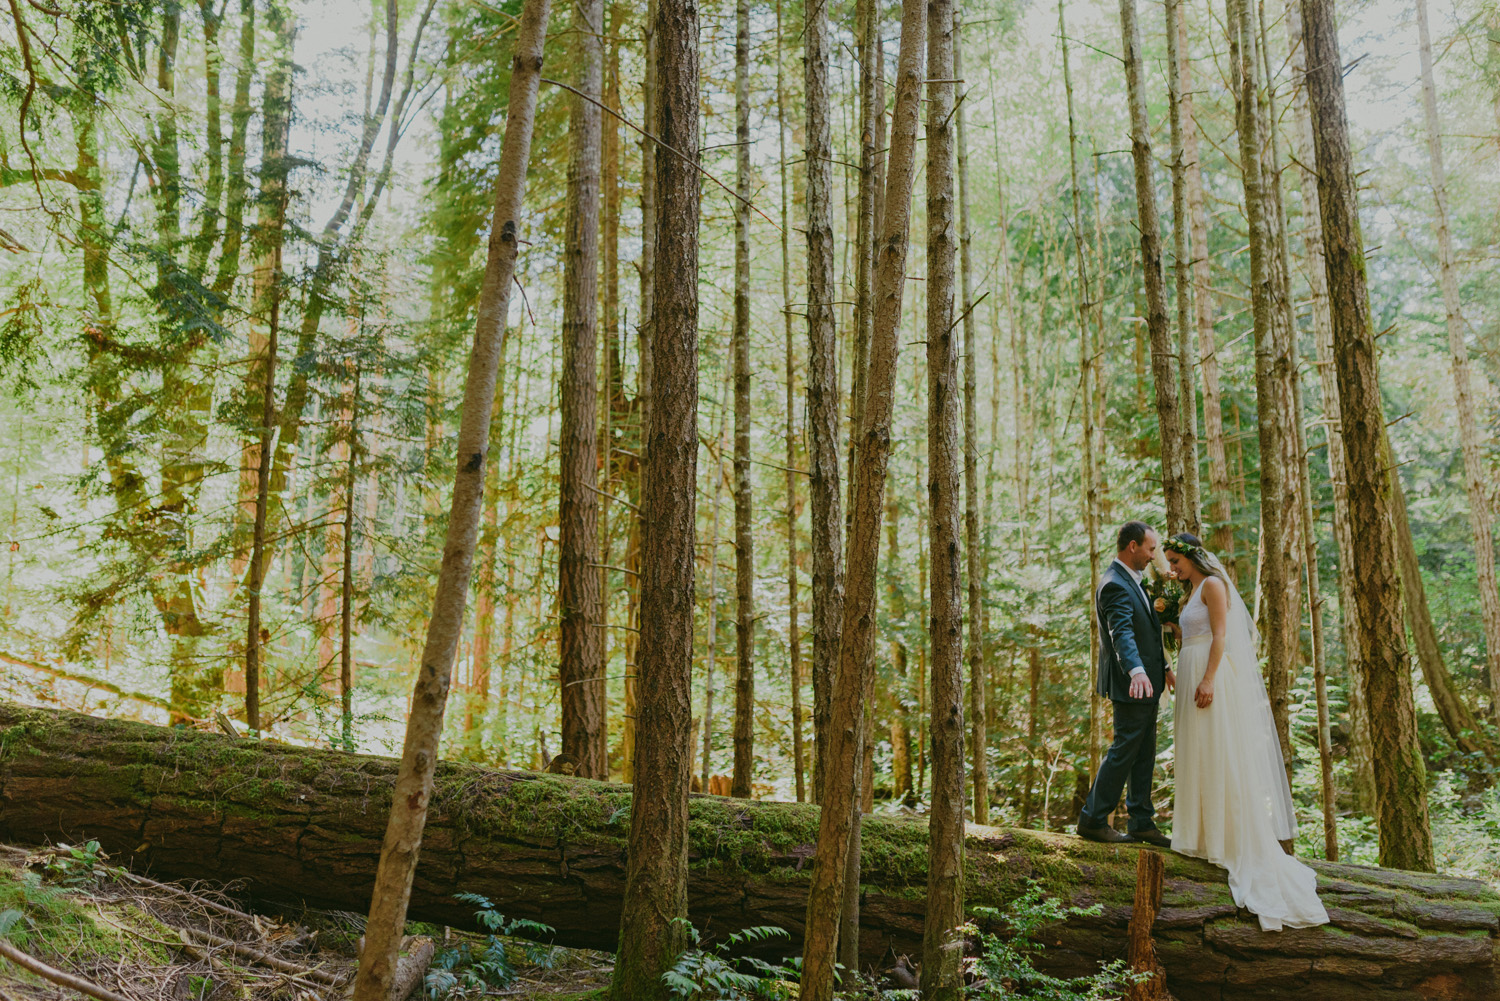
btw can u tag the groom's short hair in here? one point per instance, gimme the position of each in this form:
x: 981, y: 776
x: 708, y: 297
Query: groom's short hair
x: 1131, y: 531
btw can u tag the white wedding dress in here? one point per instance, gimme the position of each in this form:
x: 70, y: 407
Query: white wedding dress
x: 1233, y: 805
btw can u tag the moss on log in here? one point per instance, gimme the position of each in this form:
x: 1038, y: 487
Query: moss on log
x: 302, y: 825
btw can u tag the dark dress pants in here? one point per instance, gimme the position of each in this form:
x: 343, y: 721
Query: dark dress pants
x: 1131, y: 759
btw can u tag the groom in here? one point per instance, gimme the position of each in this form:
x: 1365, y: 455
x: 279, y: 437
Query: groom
x: 1132, y: 673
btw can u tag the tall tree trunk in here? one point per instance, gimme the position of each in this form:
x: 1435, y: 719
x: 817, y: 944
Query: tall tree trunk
x: 1400, y: 777
x: 942, y: 935
x: 645, y: 325
x: 711, y: 629
x: 476, y: 704
x: 1456, y: 717
x: 744, y: 536
x: 236, y: 177
x: 1317, y: 280
x: 1476, y: 479
x: 973, y: 541
x: 346, y: 602
x: 1086, y: 368
x: 901, y: 772
x: 580, y: 640
x: 822, y: 387
x: 1174, y: 483
x: 794, y: 629
x: 1221, y: 512
x: 424, y: 728
x: 858, y: 639
x: 1187, y: 399
x: 652, y: 936
x: 1279, y: 621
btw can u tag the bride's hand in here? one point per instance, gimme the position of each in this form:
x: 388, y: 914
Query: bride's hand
x: 1204, y: 696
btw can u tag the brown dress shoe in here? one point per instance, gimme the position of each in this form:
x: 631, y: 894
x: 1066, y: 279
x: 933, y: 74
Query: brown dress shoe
x: 1152, y: 836
x: 1104, y: 835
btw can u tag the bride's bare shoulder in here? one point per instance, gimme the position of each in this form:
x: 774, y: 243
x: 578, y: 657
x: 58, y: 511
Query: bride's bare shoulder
x: 1213, y: 587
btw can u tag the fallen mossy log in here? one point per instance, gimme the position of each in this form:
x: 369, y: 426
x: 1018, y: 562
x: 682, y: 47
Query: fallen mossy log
x: 300, y: 825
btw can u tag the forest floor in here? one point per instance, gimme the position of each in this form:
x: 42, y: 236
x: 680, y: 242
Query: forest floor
x: 132, y: 939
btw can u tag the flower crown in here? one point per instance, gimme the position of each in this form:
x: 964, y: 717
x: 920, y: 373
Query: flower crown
x: 1183, y: 547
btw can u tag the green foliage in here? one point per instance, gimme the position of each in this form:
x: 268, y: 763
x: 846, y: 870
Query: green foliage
x: 713, y: 973
x: 1005, y: 964
x: 75, y: 866
x: 462, y: 970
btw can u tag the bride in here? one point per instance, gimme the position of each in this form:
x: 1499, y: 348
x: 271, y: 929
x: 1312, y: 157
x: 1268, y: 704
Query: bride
x: 1233, y: 805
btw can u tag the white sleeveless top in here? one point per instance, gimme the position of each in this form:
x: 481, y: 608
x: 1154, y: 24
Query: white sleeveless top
x: 1193, y: 618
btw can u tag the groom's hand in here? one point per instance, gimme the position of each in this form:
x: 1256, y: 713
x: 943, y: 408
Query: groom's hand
x: 1140, y: 686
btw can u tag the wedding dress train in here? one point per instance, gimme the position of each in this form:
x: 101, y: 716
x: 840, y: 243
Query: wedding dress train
x: 1233, y: 806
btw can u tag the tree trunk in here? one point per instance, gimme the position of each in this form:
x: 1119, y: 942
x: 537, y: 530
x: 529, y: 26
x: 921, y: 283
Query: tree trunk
x: 346, y: 596
x: 1456, y: 717
x: 822, y: 388
x: 1476, y: 478
x: 1086, y: 349
x: 711, y: 628
x: 1203, y: 310
x: 942, y: 942
x: 794, y: 629
x: 656, y: 874
x: 973, y: 541
x: 1174, y: 482
x: 1400, y: 777
x: 1279, y: 621
x: 858, y: 639
x: 1187, y: 399
x: 580, y: 669
x: 478, y: 697
x: 744, y: 536
x: 1317, y: 280
x: 424, y: 728
x: 302, y: 826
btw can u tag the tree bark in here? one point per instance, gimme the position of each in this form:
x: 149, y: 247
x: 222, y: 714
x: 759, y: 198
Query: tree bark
x: 711, y: 628
x: 794, y: 629
x: 1279, y: 620
x: 1187, y: 399
x: 346, y: 575
x: 656, y: 873
x: 822, y: 388
x: 942, y: 940
x: 1173, y: 477
x: 1203, y: 310
x: 744, y: 535
x: 858, y: 638
x: 1456, y: 717
x: 973, y: 541
x: 302, y: 826
x: 424, y: 728
x: 1400, y: 777
x: 1086, y: 369
x: 1476, y: 479
x: 580, y: 669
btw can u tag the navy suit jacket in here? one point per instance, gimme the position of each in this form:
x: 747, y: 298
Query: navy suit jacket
x: 1129, y: 637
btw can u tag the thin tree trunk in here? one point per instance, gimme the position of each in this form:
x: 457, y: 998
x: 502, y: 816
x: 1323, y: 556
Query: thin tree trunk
x: 413, y: 789
x: 1086, y: 349
x: 580, y: 640
x: 744, y: 536
x: 1279, y: 622
x: 858, y: 638
x: 655, y: 903
x: 1187, y: 400
x: 236, y: 176
x: 346, y: 604
x: 711, y: 631
x: 942, y: 936
x: 1174, y: 483
x: 794, y: 633
x: 1476, y: 478
x: 1221, y: 512
x: 476, y: 705
x: 973, y: 543
x: 1400, y: 777
x: 822, y: 387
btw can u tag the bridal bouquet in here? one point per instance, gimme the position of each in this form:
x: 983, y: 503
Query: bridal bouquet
x: 1166, y: 593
